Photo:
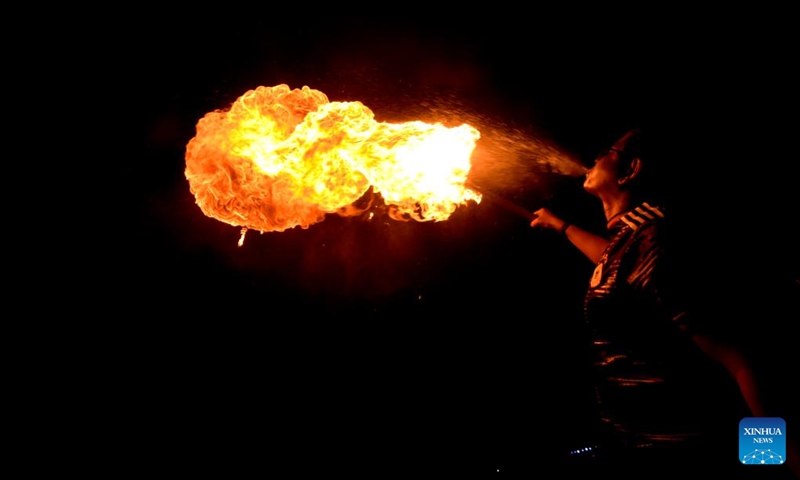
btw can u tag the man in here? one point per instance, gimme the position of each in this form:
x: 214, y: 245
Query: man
x: 671, y: 388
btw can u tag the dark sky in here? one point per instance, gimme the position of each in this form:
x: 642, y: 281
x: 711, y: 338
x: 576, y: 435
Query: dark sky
x: 399, y: 346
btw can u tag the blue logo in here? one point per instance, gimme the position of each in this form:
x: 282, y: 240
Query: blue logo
x: 762, y: 441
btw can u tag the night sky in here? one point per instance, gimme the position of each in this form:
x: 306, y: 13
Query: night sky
x: 371, y: 347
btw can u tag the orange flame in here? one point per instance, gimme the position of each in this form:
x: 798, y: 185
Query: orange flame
x: 281, y: 158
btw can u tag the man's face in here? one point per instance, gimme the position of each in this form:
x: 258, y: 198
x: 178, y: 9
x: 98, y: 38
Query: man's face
x: 604, y: 174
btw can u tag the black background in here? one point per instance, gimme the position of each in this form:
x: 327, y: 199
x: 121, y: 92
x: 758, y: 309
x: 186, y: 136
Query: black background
x: 374, y: 347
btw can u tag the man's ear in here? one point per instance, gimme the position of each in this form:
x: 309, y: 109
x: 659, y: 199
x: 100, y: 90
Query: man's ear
x: 631, y: 172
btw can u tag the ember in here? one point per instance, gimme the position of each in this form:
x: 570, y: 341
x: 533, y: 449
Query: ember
x: 281, y: 158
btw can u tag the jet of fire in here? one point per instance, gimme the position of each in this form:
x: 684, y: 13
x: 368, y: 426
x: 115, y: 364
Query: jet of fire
x: 281, y: 158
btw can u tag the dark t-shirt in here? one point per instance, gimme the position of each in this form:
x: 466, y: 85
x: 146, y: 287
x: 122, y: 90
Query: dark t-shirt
x: 655, y: 388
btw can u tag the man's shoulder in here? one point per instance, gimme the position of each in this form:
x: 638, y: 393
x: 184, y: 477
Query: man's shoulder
x: 644, y: 215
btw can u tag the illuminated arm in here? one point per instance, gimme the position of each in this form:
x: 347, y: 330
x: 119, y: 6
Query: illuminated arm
x: 738, y: 366
x: 734, y: 361
x: 588, y: 243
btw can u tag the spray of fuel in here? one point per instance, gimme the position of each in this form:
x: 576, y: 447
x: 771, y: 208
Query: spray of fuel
x: 509, y: 159
x: 514, y: 162
x: 513, y: 166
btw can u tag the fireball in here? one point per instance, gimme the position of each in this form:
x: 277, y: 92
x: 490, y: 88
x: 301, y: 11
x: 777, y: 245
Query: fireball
x: 281, y: 158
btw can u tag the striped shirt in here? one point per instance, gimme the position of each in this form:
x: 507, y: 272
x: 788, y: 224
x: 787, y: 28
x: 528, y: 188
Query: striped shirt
x: 654, y: 386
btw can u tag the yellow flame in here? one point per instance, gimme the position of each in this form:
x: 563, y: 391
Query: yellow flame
x: 281, y: 158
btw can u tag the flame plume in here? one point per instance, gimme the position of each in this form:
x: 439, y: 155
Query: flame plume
x: 281, y: 158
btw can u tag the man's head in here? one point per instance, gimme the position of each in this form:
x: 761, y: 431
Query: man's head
x: 618, y: 169
x: 628, y: 144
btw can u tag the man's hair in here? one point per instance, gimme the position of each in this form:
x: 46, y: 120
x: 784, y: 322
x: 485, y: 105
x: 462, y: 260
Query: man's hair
x: 650, y: 184
x: 631, y: 149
